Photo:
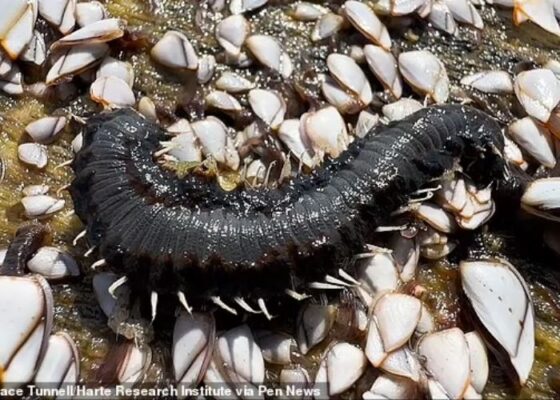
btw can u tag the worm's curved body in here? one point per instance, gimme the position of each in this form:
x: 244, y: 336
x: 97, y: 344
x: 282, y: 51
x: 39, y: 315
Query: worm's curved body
x: 187, y: 234
x: 28, y: 239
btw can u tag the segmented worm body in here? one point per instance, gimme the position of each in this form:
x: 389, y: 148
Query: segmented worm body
x: 28, y: 239
x: 170, y: 234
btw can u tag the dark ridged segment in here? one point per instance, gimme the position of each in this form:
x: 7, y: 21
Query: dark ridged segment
x: 169, y: 234
x: 28, y: 239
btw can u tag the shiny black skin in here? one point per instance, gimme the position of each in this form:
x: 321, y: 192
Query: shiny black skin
x: 28, y: 239
x: 170, y: 234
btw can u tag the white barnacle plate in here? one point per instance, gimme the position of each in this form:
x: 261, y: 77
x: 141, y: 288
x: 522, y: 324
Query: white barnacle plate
x: 233, y: 83
x: 60, y: 367
x: 44, y: 130
x: 35, y: 190
x: 101, y: 283
x: 295, y: 377
x: 446, y: 355
x: 59, y: 13
x: 185, y: 147
x: 401, y: 108
x: 350, y: 77
x: 366, y: 122
x: 313, y: 325
x: 327, y: 25
x: 499, y: 82
x: 398, y: 7
x: 268, y: 105
x: 112, y: 92
x: 96, y: 32
x: 53, y: 263
x: 241, y: 6
x: 464, y: 11
x: 363, y: 18
x: 374, y: 350
x: 403, y: 362
x: 387, y: 386
x: 33, y: 154
x: 41, y: 206
x: 212, y: 134
x: 425, y: 73
x: 89, y: 12
x: 147, y: 108
x: 307, y: 11
x: 406, y: 252
x: 119, y: 69
x: 344, y: 100
x: 478, y: 361
x: 242, y: 359
x: 222, y: 101
x: 501, y: 300
x: 134, y: 363
x: 206, y: 68
x: 291, y: 134
x: 535, y: 139
x: 231, y: 33
x: 326, y: 130
x: 377, y: 273
x: 341, y: 366
x: 540, y: 12
x: 538, y: 91
x: 384, y: 66
x: 268, y: 51
x: 542, y: 198
x: 26, y: 326
x: 75, y: 60
x: 17, y: 21
x: 276, y: 347
x: 396, y: 315
x: 193, y: 343
x: 441, y: 18
x: 175, y: 50
x: 436, y: 217
x: 36, y: 50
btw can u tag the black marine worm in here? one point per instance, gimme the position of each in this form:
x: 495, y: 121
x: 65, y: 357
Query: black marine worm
x: 169, y: 234
x: 28, y: 239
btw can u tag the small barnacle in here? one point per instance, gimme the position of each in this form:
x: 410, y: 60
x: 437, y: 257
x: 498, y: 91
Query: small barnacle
x: 229, y: 180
